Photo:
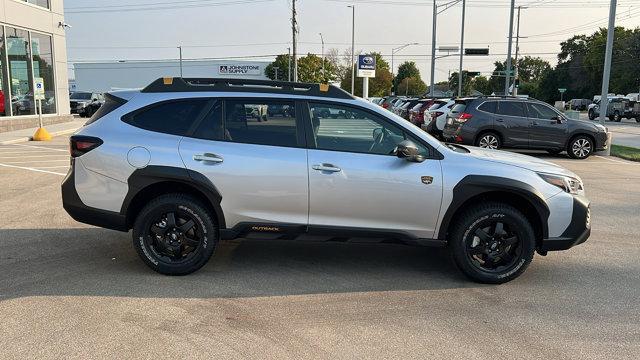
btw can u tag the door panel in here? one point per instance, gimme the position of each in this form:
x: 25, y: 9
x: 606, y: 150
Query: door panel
x: 374, y: 192
x: 512, y: 122
x: 546, y: 131
x: 258, y: 183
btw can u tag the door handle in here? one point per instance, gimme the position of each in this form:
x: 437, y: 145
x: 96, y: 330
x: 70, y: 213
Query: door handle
x: 326, y: 167
x: 208, y: 157
x: 500, y: 120
x: 534, y: 123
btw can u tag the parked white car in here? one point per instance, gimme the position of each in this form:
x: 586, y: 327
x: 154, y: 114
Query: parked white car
x: 438, y: 113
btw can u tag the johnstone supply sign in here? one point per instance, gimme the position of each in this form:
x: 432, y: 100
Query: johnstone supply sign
x: 366, y: 66
x: 239, y: 69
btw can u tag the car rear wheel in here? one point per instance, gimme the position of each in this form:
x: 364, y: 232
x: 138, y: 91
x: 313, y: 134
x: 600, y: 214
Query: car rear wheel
x: 175, y: 234
x: 580, y: 147
x: 616, y: 116
x: 489, y: 141
x: 492, y: 243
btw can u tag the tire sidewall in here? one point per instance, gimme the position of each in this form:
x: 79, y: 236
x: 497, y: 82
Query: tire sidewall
x: 169, y: 203
x: 470, y: 221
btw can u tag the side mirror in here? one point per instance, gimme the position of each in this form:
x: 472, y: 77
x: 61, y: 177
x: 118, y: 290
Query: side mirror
x: 409, y: 151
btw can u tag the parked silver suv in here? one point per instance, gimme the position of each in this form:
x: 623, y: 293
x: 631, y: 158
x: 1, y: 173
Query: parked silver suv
x: 186, y: 163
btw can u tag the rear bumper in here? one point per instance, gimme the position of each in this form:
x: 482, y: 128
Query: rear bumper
x: 578, y: 230
x: 74, y: 206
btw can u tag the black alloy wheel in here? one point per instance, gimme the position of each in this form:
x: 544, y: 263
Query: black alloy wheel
x: 492, y: 243
x: 174, y: 234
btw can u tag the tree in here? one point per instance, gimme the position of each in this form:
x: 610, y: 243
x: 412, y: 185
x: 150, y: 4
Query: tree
x: 481, y: 85
x: 405, y: 70
x: 413, y: 86
x: 282, y: 63
x: 309, y: 69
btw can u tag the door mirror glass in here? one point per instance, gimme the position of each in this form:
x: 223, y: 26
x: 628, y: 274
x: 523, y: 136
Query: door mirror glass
x: 409, y: 151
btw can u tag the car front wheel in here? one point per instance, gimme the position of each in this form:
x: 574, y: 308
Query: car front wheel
x: 580, y: 147
x: 492, y: 243
x: 174, y: 234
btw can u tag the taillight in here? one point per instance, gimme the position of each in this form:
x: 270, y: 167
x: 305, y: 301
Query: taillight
x: 385, y: 105
x: 464, y: 117
x: 80, y: 145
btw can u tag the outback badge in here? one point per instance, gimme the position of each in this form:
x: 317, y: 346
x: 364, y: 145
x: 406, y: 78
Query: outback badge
x: 427, y: 180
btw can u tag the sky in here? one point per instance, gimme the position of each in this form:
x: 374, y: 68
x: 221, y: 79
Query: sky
x: 152, y: 29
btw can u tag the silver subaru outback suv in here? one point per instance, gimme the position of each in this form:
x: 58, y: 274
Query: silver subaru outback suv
x: 186, y: 163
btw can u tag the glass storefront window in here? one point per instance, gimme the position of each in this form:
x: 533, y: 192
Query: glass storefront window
x: 20, y: 76
x: 43, y: 3
x: 5, y: 101
x: 41, y: 50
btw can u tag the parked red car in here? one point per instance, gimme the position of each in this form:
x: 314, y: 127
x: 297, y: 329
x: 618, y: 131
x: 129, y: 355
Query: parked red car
x: 2, y: 103
x: 416, y: 114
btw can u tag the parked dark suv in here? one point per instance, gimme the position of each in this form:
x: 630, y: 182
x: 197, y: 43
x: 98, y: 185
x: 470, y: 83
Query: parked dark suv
x: 496, y: 122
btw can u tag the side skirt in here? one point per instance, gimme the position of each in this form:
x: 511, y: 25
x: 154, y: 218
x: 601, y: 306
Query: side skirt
x: 314, y: 233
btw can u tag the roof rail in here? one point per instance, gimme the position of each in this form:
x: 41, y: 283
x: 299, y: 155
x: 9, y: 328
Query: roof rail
x: 178, y: 84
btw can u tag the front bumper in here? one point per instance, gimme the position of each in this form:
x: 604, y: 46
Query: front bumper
x: 578, y: 230
x: 85, y: 214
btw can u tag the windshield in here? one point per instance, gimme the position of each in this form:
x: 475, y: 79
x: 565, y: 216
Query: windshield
x: 80, y: 95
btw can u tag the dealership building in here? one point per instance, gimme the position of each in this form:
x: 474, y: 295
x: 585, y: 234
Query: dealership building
x: 116, y: 75
x: 32, y: 49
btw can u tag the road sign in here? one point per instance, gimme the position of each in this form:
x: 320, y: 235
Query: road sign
x: 448, y: 48
x: 473, y: 73
x: 39, y: 91
x: 562, y: 90
x: 476, y: 51
x: 366, y: 66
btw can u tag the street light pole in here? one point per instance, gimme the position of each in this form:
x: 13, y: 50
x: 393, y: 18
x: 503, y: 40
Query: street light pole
x: 275, y: 68
x: 507, y: 78
x: 464, y: 3
x: 324, y: 77
x: 516, y: 67
x: 180, y: 49
x: 353, y: 48
x: 289, y: 66
x: 294, y: 30
x: 433, y: 48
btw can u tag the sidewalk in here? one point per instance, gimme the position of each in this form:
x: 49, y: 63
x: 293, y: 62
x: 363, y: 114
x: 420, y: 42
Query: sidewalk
x: 12, y: 137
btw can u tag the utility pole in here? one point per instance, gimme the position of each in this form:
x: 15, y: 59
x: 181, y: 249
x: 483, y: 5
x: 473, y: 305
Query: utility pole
x: 294, y: 30
x: 289, y: 67
x: 324, y: 77
x: 516, y: 67
x: 433, y: 48
x: 180, y: 49
x: 275, y: 68
x: 604, y: 98
x: 507, y: 78
x: 464, y: 3
x: 353, y: 49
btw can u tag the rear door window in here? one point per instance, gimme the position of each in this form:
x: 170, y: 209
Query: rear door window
x: 171, y: 117
x: 511, y: 108
x: 489, y: 106
x: 261, y: 122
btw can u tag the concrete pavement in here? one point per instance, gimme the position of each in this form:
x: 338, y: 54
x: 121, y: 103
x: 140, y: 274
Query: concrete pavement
x: 72, y: 291
x: 19, y: 136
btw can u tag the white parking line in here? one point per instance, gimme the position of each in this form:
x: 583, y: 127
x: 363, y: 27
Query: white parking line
x: 33, y: 156
x: 34, y: 162
x: 40, y: 147
x: 32, y: 169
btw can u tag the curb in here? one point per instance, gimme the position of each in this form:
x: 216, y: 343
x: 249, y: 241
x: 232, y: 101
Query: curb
x: 29, y: 138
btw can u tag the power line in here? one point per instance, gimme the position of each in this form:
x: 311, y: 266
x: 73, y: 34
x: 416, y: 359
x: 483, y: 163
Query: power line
x: 162, y: 6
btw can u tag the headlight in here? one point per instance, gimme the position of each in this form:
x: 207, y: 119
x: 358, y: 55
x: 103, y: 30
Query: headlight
x: 567, y: 183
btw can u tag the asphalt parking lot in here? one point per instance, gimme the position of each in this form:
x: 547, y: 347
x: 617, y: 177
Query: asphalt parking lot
x: 72, y: 291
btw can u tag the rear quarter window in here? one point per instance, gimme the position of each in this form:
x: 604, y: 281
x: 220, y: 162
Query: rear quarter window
x: 173, y: 117
x: 111, y: 103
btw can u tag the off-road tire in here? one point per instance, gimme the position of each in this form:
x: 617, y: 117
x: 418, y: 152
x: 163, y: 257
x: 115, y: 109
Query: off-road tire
x: 475, y: 217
